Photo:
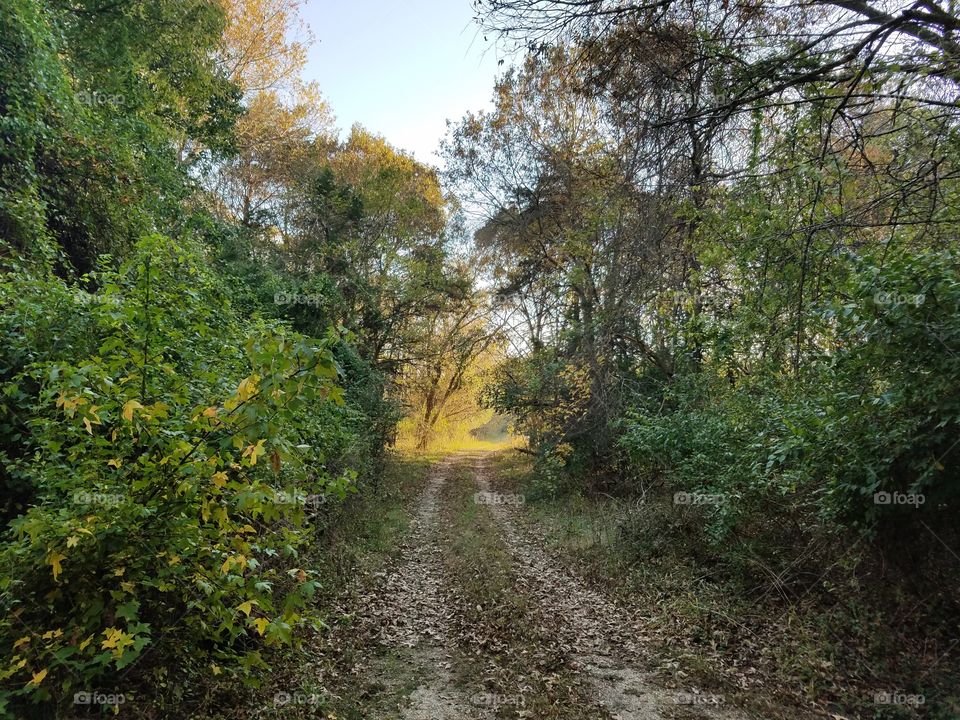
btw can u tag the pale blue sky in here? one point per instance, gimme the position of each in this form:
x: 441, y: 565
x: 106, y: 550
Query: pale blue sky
x: 400, y: 69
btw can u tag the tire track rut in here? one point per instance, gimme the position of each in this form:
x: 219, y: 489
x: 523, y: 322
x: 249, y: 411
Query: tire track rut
x: 603, y: 644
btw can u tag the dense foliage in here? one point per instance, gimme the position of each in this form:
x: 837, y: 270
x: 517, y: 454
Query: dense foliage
x: 712, y: 270
x: 211, y: 306
x: 716, y: 245
x: 164, y: 442
x: 723, y: 233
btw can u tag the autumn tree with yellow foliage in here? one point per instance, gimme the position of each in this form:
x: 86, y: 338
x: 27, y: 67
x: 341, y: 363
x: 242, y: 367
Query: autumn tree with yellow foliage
x: 283, y: 115
x: 441, y: 389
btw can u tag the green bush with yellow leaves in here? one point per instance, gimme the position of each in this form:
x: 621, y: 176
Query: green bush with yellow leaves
x: 158, y: 453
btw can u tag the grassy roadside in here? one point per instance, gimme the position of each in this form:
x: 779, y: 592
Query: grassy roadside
x: 763, y: 647
x: 363, y: 532
x: 354, y: 540
x: 525, y: 673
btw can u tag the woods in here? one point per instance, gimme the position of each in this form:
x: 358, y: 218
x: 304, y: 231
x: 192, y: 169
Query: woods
x: 726, y: 233
x: 681, y: 223
x: 208, y: 298
x: 699, y: 255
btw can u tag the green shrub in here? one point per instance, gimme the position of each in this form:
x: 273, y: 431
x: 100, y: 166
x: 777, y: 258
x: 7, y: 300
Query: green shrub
x: 878, y: 413
x: 162, y: 448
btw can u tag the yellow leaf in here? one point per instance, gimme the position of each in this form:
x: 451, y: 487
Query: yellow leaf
x: 215, y: 668
x: 210, y: 412
x: 72, y: 541
x: 254, y: 451
x: 38, y: 677
x: 119, y: 572
x: 247, y: 387
x: 127, y: 586
x: 112, y: 636
x: 219, y: 479
x: 227, y: 564
x: 70, y: 404
x: 245, y: 607
x: 157, y: 410
x: 128, y: 407
x: 54, y: 558
x: 114, y: 463
x: 85, y: 643
x: 21, y: 642
x: 86, y: 424
x: 124, y: 641
x: 261, y: 624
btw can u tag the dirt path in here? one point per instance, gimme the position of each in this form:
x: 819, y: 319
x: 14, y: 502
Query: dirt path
x: 412, y: 613
x: 416, y: 615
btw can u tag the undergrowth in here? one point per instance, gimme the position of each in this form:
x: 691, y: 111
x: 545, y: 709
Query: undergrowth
x: 828, y: 632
